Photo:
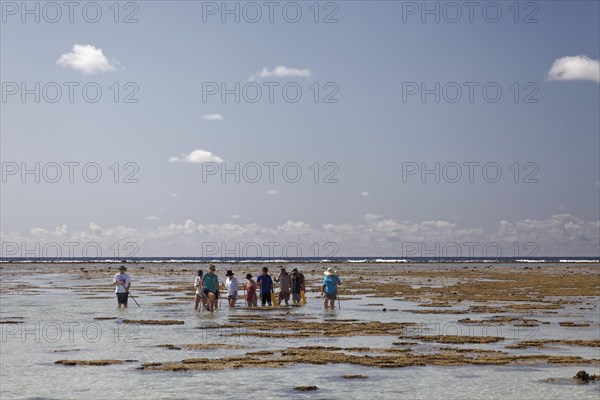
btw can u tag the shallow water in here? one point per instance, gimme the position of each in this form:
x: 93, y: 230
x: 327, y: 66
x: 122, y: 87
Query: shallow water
x: 58, y: 323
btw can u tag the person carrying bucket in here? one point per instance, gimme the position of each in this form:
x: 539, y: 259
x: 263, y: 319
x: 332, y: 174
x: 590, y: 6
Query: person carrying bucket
x: 297, y: 287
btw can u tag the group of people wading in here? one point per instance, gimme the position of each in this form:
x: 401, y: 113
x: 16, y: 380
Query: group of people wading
x: 208, y: 291
x: 290, y: 285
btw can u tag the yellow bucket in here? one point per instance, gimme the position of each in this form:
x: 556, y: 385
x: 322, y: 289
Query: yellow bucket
x: 274, y: 299
x: 303, y: 296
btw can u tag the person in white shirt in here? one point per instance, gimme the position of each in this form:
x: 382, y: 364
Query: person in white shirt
x: 200, y: 296
x: 231, y: 284
x: 122, y: 282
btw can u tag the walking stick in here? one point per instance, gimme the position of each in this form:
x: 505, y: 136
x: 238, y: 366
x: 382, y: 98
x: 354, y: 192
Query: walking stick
x: 129, y: 293
x: 133, y: 298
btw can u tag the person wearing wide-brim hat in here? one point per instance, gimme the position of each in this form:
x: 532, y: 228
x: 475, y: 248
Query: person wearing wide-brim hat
x: 330, y: 284
x: 231, y: 285
x: 122, y: 282
x: 251, y: 299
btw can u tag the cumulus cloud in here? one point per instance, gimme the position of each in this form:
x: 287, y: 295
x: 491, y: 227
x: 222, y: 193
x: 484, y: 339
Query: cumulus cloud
x: 60, y: 230
x: 281, y: 72
x: 153, y: 218
x: 86, y: 59
x: 572, y: 68
x: 213, y: 117
x: 557, y: 235
x: 197, y: 157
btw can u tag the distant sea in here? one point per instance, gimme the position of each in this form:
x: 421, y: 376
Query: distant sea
x: 334, y: 260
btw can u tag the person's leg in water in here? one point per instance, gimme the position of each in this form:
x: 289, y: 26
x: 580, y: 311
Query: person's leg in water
x: 205, y: 302
x: 296, y: 299
x: 332, y: 301
x: 197, y: 301
x: 211, y: 302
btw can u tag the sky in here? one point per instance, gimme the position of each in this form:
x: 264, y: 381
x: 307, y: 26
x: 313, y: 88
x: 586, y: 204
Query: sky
x: 316, y: 129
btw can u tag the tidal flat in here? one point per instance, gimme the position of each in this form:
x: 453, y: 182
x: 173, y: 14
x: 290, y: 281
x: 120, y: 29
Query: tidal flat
x: 413, y: 331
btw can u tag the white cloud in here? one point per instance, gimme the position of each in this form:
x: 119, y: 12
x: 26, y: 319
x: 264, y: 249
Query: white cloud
x: 557, y: 235
x: 282, y: 72
x: 174, y: 195
x: 213, y: 117
x: 152, y: 218
x: 95, y: 228
x: 365, y: 194
x: 86, y: 59
x: 240, y: 217
x: 197, y: 157
x: 60, y: 230
x: 272, y: 191
x: 572, y: 68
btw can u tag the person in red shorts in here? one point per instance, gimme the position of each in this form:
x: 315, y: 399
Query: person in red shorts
x: 251, y: 300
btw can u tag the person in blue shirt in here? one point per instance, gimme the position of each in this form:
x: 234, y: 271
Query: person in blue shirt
x: 330, y: 284
x: 266, y: 286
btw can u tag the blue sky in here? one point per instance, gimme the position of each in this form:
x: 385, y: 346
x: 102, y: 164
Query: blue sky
x: 368, y: 61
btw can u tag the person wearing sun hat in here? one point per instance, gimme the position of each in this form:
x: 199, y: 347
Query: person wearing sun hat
x: 330, y: 284
x: 122, y: 282
x: 231, y: 285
